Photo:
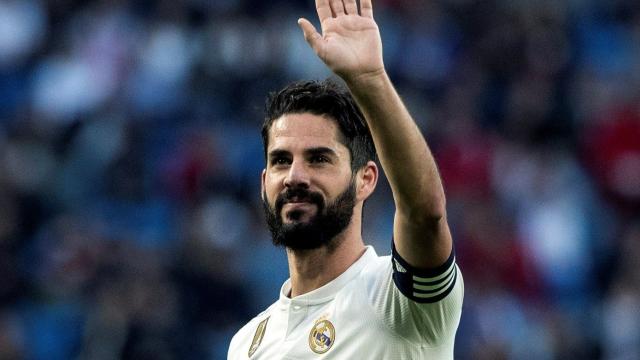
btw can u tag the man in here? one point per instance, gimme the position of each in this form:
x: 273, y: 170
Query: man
x: 342, y: 301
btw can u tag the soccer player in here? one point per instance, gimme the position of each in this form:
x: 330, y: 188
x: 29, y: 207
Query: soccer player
x: 343, y: 301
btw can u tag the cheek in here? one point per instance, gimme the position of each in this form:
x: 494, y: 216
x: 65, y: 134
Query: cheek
x: 272, y: 188
x: 337, y: 188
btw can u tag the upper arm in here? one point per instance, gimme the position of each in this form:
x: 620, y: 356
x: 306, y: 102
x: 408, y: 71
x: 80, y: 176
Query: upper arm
x: 422, y: 309
x: 424, y: 242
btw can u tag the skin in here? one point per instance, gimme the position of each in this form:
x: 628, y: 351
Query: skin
x: 350, y: 45
x: 294, y: 159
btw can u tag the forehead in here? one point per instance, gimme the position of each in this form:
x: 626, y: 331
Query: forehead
x: 304, y: 130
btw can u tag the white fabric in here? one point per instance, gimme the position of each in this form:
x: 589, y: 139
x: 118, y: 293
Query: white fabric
x: 371, y: 318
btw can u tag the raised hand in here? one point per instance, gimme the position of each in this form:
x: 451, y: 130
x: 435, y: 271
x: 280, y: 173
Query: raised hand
x: 350, y: 42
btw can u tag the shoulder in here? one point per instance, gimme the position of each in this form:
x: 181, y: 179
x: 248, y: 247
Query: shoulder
x: 421, y: 306
x: 247, y: 331
x: 376, y: 267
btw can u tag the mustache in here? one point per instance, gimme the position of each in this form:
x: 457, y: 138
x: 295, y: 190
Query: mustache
x: 298, y: 195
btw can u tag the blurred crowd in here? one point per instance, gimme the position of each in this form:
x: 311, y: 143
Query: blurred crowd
x: 130, y: 216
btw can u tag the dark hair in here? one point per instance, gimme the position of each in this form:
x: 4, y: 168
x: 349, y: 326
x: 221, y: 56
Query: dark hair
x: 323, y: 98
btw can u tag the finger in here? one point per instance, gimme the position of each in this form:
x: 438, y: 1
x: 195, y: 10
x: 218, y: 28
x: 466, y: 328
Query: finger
x: 337, y: 7
x: 351, y: 7
x: 311, y: 35
x: 324, y: 10
x: 366, y: 9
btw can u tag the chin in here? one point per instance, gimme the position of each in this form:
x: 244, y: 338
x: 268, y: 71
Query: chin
x: 298, y: 217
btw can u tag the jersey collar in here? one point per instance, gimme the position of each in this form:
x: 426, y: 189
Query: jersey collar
x: 329, y: 290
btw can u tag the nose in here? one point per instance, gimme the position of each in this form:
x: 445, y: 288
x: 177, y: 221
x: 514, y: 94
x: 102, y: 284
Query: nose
x: 298, y: 175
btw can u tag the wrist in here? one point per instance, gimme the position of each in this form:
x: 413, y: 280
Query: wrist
x: 367, y: 82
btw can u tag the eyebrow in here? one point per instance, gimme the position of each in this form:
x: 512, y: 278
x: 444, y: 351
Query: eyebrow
x: 321, y: 150
x: 278, y: 153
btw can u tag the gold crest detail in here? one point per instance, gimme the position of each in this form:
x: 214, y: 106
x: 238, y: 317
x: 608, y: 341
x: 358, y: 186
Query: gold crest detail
x: 322, y: 336
x: 257, y: 338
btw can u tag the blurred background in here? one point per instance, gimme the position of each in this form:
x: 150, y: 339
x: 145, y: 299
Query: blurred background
x: 130, y: 219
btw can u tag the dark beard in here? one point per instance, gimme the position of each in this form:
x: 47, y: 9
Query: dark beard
x: 321, y: 230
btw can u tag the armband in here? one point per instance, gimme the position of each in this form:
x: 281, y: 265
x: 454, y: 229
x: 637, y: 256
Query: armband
x: 424, y: 286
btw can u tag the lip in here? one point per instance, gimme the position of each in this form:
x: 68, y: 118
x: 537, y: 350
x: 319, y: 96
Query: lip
x: 298, y: 205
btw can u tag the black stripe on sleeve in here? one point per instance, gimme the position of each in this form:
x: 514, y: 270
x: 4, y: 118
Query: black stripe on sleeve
x: 424, y: 285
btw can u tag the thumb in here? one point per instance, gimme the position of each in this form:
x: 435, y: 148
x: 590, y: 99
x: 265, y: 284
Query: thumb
x: 311, y: 35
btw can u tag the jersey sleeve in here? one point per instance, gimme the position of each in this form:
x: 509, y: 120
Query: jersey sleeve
x: 421, y: 306
x: 424, y: 286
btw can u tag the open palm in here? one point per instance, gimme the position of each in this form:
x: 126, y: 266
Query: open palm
x: 350, y: 43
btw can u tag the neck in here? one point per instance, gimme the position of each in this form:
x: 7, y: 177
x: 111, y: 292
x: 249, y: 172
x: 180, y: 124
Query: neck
x: 311, y: 269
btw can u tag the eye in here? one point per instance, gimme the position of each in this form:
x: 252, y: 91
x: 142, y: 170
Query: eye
x: 279, y: 160
x: 319, y: 159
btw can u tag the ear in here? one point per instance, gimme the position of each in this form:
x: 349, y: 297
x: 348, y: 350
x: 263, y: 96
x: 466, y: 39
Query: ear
x: 366, y: 180
x: 262, y: 180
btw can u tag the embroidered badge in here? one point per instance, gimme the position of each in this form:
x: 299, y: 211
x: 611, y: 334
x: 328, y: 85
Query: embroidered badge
x: 257, y: 338
x: 322, y: 336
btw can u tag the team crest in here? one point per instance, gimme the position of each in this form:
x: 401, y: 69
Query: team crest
x: 257, y: 338
x: 322, y: 336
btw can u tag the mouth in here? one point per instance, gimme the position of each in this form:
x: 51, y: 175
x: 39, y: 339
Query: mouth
x: 298, y: 209
x: 298, y: 202
x: 297, y: 205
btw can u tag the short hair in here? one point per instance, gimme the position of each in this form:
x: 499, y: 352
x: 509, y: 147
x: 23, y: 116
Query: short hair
x: 323, y: 98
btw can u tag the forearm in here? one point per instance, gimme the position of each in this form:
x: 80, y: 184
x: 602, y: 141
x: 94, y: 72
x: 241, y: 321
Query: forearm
x: 352, y: 48
x: 403, y: 151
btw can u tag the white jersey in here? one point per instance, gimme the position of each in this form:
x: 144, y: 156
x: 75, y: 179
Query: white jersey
x: 379, y: 308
